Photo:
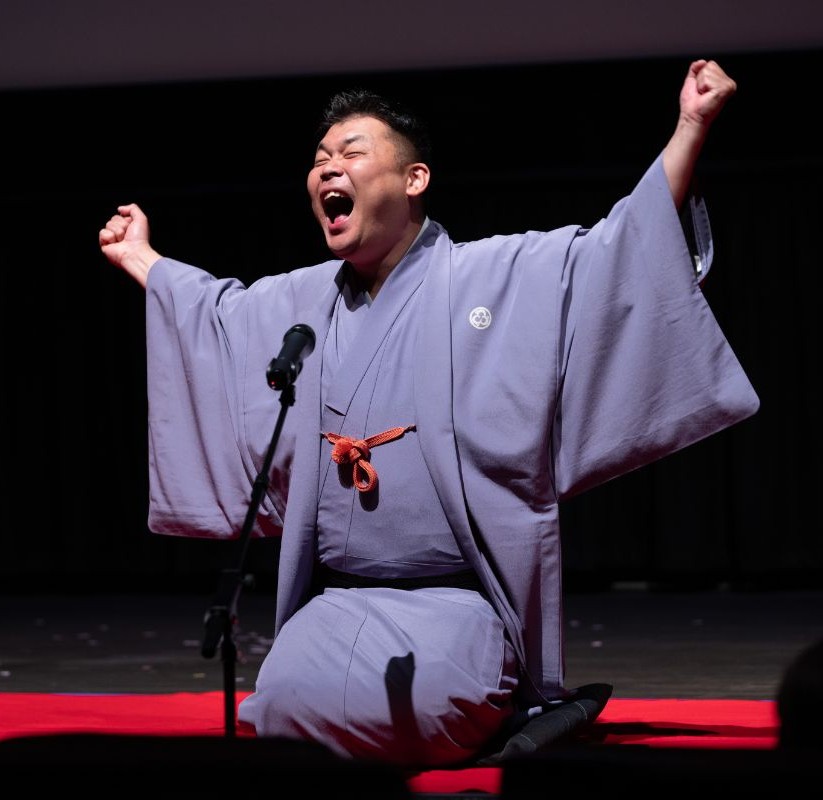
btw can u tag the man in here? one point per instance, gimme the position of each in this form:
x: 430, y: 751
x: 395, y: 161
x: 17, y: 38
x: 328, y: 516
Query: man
x: 457, y: 393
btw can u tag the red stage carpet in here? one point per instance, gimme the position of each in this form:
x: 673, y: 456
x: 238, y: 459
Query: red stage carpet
x: 732, y: 724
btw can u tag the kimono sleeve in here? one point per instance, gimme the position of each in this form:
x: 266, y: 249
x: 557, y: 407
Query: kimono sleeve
x: 200, y: 475
x: 645, y: 368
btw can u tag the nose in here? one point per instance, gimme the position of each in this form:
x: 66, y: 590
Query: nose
x: 330, y: 170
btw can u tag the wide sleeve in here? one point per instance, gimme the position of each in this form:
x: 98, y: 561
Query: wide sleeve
x: 645, y: 369
x: 200, y: 471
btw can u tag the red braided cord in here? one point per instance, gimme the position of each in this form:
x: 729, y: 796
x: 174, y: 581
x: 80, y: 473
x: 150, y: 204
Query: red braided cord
x: 357, y: 452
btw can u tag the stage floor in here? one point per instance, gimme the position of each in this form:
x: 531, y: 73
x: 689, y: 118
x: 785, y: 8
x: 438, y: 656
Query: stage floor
x: 717, y: 644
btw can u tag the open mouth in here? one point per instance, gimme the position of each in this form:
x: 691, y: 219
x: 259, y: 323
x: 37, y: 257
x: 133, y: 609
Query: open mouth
x: 337, y: 206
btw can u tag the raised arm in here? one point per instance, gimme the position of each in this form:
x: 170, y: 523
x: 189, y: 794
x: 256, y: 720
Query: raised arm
x: 704, y: 93
x: 125, y: 242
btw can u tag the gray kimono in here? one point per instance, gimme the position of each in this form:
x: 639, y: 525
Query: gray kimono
x: 545, y: 363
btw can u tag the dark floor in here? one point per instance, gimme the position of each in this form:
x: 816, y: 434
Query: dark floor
x: 647, y: 644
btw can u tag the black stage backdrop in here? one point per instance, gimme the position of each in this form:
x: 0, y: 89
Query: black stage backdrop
x: 220, y: 169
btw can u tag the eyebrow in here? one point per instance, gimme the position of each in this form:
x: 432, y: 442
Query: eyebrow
x: 352, y: 137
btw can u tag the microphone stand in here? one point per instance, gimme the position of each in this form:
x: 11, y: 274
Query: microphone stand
x: 221, y: 617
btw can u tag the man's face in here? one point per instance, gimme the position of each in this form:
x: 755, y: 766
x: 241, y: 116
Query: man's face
x: 358, y: 188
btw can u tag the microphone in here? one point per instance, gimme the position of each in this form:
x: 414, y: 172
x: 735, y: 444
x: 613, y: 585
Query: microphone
x: 298, y: 343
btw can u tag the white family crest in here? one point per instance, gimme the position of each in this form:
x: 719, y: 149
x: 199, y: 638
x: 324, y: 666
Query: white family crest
x: 480, y: 317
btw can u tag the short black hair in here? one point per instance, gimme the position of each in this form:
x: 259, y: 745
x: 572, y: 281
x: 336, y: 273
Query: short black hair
x: 366, y: 103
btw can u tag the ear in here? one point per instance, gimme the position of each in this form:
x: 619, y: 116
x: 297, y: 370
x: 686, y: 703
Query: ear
x: 417, y: 179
